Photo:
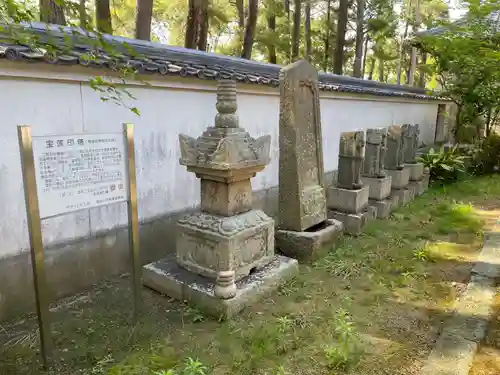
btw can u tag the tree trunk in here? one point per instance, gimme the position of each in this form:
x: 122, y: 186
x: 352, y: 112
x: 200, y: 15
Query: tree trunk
x: 421, y: 78
x: 401, y: 49
x: 191, y: 36
x: 202, y: 26
x: 82, y: 13
x: 289, y: 28
x: 240, y: 8
x: 271, y: 48
x: 103, y: 16
x: 143, y: 19
x: 307, y: 30
x: 338, y: 60
x: 365, y: 48
x: 413, y: 61
x: 358, y: 60
x: 327, y: 36
x: 372, y: 68
x: 381, y: 70
x: 296, y: 30
x: 52, y: 11
x: 251, y: 25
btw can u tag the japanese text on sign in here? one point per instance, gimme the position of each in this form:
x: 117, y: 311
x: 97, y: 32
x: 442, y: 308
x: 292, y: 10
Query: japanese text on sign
x: 80, y: 171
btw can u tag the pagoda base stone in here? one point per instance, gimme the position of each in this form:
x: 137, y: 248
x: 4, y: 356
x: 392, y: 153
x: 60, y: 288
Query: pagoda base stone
x: 426, y: 179
x: 354, y: 223
x: 345, y: 200
x: 400, y: 177
x: 207, y: 243
x: 418, y: 187
x: 403, y: 196
x: 383, y: 207
x: 415, y: 171
x: 306, y: 244
x: 380, y: 188
x: 394, y: 199
x: 167, y: 277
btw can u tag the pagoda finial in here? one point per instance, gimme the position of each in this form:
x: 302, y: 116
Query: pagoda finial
x: 226, y: 105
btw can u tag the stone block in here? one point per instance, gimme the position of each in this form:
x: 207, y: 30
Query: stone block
x: 167, y: 277
x: 304, y: 245
x: 383, y: 207
x: 416, y: 171
x: 404, y: 196
x: 208, y: 243
x: 345, y: 200
x: 400, y: 177
x: 380, y: 188
x: 426, y: 180
x: 354, y: 223
x: 418, y: 187
x: 394, y: 199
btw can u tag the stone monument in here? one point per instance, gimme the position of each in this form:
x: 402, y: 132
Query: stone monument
x: 303, y: 227
x: 225, y: 253
x: 373, y: 173
x: 348, y: 198
x: 394, y: 167
x: 418, y: 184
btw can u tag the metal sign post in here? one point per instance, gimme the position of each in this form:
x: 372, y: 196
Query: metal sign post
x: 36, y: 243
x: 68, y: 173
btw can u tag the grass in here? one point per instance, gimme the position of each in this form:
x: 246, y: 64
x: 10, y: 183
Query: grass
x: 371, y: 305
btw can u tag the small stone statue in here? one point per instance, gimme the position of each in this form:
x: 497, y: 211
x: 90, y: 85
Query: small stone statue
x: 373, y: 165
x: 394, y: 155
x: 351, y: 154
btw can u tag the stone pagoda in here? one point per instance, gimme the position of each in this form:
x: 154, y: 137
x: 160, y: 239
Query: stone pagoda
x: 394, y: 167
x: 373, y: 173
x: 347, y: 200
x: 225, y: 253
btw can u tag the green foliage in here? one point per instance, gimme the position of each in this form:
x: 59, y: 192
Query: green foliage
x: 346, y: 352
x: 444, y: 165
x: 486, y: 155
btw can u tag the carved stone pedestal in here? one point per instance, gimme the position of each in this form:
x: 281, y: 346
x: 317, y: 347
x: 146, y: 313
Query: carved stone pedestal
x: 307, y: 244
x: 401, y: 196
x: 416, y: 171
x: 380, y: 189
x: 225, y: 253
x: 383, y: 207
x: 399, y: 178
x: 350, y: 207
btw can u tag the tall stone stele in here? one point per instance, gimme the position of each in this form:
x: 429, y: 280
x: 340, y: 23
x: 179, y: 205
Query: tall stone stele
x: 348, y: 198
x: 418, y: 182
x: 394, y: 167
x: 225, y: 248
x: 303, y: 227
x: 373, y: 173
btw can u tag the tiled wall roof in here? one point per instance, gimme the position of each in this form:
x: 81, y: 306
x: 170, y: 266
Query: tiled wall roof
x: 70, y: 46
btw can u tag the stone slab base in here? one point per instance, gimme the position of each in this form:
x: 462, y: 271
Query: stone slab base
x: 394, y: 199
x: 400, y: 177
x: 404, y: 196
x: 167, y: 277
x: 383, y: 207
x: 345, y: 200
x: 303, y: 245
x: 416, y: 171
x: 380, y: 188
x: 418, y: 187
x: 426, y: 178
x: 354, y: 223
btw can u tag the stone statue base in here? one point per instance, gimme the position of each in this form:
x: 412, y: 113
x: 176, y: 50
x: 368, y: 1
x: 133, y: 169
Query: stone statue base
x: 306, y: 244
x: 400, y: 177
x: 380, y: 188
x: 383, y: 207
x: 354, y: 223
x: 207, y: 243
x: 348, y: 201
x: 400, y: 197
x: 416, y: 171
x: 167, y: 277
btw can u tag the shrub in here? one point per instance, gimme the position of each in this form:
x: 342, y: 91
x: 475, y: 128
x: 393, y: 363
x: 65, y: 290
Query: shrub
x: 444, y: 165
x: 486, y: 155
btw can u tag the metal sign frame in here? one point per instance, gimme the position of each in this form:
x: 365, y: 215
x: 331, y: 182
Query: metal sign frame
x: 36, y: 239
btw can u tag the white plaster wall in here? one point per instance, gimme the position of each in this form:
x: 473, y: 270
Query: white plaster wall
x: 69, y: 106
